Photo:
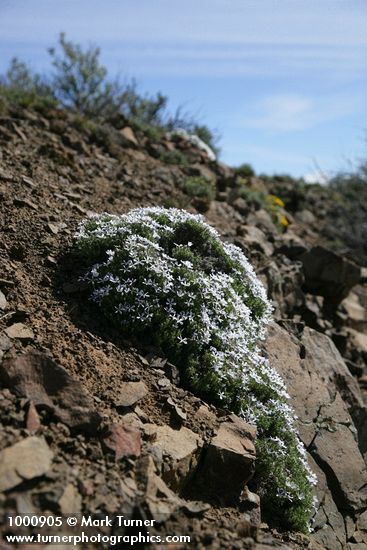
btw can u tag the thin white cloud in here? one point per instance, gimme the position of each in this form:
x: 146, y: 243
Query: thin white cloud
x: 310, y: 22
x: 283, y: 113
x: 210, y: 38
x: 253, y: 59
x: 295, y: 112
x: 179, y: 60
x: 317, y: 177
x: 250, y: 152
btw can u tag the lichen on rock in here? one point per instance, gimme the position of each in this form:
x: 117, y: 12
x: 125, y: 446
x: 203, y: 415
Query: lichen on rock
x: 166, y: 276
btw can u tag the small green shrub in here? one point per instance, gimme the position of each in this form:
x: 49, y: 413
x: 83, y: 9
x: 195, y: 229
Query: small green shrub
x: 23, y: 88
x: 269, y: 202
x: 165, y: 277
x: 80, y: 82
x: 245, y: 170
x: 84, y: 125
x: 174, y: 157
x: 197, y: 186
x: 253, y: 196
x: 153, y: 132
x: 3, y: 105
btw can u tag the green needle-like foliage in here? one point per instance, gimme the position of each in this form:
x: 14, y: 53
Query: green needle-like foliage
x: 165, y: 275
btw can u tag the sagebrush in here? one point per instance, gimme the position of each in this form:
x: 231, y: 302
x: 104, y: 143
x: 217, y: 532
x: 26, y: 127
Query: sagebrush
x: 79, y: 81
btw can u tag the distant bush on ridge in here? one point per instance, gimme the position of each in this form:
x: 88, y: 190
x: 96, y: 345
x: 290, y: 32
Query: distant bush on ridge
x: 80, y: 82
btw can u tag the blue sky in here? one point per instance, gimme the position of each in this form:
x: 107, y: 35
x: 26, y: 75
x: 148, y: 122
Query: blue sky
x: 283, y: 81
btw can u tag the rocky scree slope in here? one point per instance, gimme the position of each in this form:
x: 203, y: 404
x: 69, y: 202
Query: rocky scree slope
x: 91, y: 424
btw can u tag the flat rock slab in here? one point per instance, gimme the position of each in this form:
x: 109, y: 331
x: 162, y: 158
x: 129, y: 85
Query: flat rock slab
x: 328, y: 274
x: 123, y: 440
x: 5, y: 344
x: 229, y: 461
x: 182, y: 448
x: 324, y: 395
x: 23, y: 461
x: 129, y: 137
x: 131, y: 393
x: 359, y: 340
x: 70, y: 501
x: 347, y: 478
x: 33, y: 421
x: 20, y: 331
x: 159, y: 499
x: 50, y: 386
x: 3, y: 301
x: 236, y: 435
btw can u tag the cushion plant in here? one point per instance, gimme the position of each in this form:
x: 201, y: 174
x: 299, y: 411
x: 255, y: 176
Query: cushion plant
x: 164, y: 274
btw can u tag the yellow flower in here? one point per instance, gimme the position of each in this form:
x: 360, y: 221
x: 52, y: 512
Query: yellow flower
x: 276, y: 201
x: 283, y: 221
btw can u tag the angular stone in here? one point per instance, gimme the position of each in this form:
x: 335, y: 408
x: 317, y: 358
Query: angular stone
x: 356, y: 312
x: 131, y: 393
x: 359, y: 340
x: 20, y: 331
x: 28, y: 181
x: 181, y: 447
x: 23, y: 461
x: 70, y: 501
x: 359, y: 536
x: 129, y: 489
x: 129, y: 137
x: 229, y: 461
x: 159, y: 499
x: 225, y: 173
x: 329, y: 526
x: 205, y: 415
x: 290, y: 245
x: 327, y: 539
x: 305, y: 216
x: 255, y: 238
x: 86, y: 487
x: 273, y: 543
x: 241, y: 205
x: 328, y: 274
x: 55, y: 228
x: 6, y: 176
x: 18, y: 201
x: 251, y: 498
x: 33, y: 422
x: 37, y: 377
x: 177, y: 414
x: 24, y: 504
x: 133, y: 419
x: 251, y: 502
x: 123, y: 440
x: 172, y: 373
x: 362, y: 521
x: 202, y: 171
x: 196, y: 507
x: 347, y: 470
x: 3, y: 301
x: 261, y: 218
x: 323, y: 359
x: 323, y: 394
x: 5, y: 342
x: 164, y: 383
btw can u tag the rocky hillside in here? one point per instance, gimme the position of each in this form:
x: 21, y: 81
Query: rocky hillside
x: 93, y: 424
